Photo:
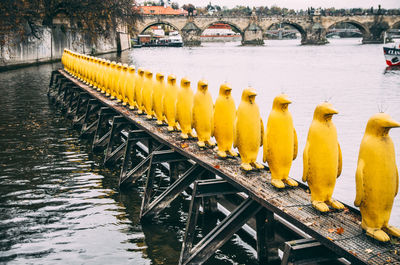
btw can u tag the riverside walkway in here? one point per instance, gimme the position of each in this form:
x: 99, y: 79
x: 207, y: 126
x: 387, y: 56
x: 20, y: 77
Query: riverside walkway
x: 119, y: 132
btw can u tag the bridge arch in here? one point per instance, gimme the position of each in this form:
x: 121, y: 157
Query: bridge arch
x: 396, y: 25
x: 296, y: 26
x: 363, y: 28
x: 233, y: 25
x: 142, y: 29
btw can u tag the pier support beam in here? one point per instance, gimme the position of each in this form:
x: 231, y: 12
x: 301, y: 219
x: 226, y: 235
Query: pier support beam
x: 223, y: 231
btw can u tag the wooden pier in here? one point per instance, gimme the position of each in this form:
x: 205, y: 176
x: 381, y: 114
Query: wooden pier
x: 120, y: 132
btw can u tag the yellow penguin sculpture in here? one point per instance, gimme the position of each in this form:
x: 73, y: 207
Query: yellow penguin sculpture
x: 147, y: 94
x: 184, y: 108
x: 115, y: 82
x: 377, y: 178
x: 169, y: 103
x: 224, y: 121
x: 280, y: 142
x: 203, y: 108
x: 130, y: 87
x: 322, y: 158
x: 138, y: 90
x: 249, y: 130
x: 121, y: 95
x: 158, y: 94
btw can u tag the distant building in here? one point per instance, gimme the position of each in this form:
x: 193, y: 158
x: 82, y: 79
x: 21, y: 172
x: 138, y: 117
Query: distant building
x: 219, y: 29
x: 161, y: 10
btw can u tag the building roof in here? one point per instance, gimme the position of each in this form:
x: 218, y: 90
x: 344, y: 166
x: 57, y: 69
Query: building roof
x: 161, y: 10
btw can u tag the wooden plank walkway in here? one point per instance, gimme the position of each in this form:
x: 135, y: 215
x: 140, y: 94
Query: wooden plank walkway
x: 339, y: 231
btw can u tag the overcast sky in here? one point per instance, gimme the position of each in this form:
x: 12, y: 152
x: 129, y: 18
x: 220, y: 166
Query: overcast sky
x: 297, y: 4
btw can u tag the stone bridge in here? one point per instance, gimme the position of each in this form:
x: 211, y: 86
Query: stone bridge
x: 313, y: 29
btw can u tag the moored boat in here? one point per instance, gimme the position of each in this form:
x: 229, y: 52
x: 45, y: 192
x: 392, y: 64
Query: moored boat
x: 392, y: 54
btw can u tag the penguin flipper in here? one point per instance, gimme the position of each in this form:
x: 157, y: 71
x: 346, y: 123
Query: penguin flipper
x: 265, y: 148
x: 212, y: 124
x: 305, y: 163
x: 359, y: 183
x: 295, y: 147
x: 339, y: 161
x: 397, y: 181
x: 262, y: 132
x: 235, y: 134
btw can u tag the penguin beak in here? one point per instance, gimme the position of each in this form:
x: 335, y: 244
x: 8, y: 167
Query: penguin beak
x: 286, y: 101
x: 391, y: 124
x: 332, y: 111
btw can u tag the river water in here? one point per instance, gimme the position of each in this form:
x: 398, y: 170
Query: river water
x: 59, y: 205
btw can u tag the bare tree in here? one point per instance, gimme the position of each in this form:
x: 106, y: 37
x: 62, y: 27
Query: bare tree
x: 23, y: 18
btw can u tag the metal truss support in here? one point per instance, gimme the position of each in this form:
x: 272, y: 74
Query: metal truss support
x: 112, y: 153
x: 152, y: 208
x: 223, y: 231
x: 102, y: 131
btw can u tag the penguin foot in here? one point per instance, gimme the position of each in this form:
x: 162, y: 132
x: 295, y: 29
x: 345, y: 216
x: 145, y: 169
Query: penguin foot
x: 107, y: 94
x: 170, y: 128
x: 335, y: 204
x: 277, y: 183
x: 201, y: 144
x: 320, y: 206
x: 159, y: 122
x: 140, y: 112
x: 221, y: 154
x: 377, y: 234
x: 149, y: 117
x: 112, y: 97
x: 123, y: 103
x: 246, y: 166
x: 232, y: 153
x: 192, y: 134
x: 210, y: 143
x: 257, y: 165
x: 184, y: 136
x: 391, y: 230
x: 291, y: 182
x: 131, y: 107
x: 118, y: 100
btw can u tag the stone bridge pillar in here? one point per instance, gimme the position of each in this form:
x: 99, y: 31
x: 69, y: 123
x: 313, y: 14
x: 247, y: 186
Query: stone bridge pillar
x: 375, y: 33
x: 191, y: 34
x: 253, y: 34
x: 315, y: 35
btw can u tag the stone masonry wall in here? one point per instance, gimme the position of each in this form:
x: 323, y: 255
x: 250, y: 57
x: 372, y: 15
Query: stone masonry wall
x: 51, y: 45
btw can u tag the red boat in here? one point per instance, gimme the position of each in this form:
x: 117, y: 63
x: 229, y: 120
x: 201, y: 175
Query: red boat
x: 392, y: 54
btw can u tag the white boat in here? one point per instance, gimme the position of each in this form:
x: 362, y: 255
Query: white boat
x: 392, y: 54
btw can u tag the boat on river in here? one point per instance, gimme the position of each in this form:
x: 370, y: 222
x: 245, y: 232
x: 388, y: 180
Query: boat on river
x: 392, y: 54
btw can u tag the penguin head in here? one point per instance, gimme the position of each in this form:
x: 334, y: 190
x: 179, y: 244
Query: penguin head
x: 202, y: 86
x: 249, y: 95
x: 113, y: 64
x: 225, y: 90
x: 140, y: 71
x: 119, y: 66
x: 185, y: 82
x: 125, y: 67
x: 172, y: 79
x: 108, y: 63
x: 131, y: 68
x: 380, y: 124
x: 281, y: 102
x: 159, y: 76
x: 324, y: 111
x: 148, y: 73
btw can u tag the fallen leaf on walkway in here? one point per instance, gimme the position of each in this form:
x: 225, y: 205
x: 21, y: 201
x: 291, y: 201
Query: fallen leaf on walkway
x: 339, y: 230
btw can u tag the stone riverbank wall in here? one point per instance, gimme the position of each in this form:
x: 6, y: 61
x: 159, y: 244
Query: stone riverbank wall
x: 51, y: 43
